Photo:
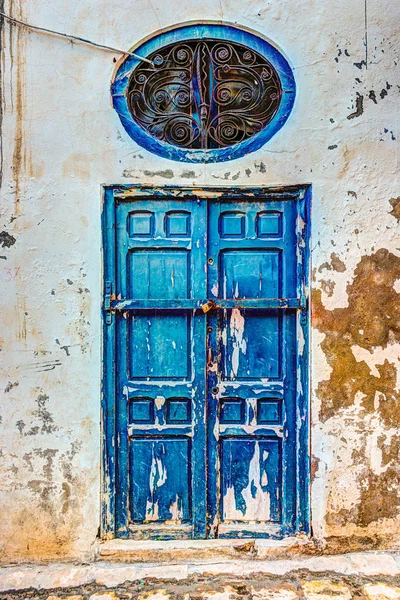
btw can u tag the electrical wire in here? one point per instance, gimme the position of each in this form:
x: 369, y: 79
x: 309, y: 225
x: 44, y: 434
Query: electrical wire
x: 73, y: 38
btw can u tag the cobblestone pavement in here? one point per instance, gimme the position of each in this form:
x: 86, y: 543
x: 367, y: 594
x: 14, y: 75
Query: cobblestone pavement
x: 325, y: 586
x: 358, y: 576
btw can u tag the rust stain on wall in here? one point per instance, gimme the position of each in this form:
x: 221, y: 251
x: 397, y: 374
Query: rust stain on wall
x: 35, y: 166
x: 20, y: 318
x: 19, y: 103
x: 337, y: 264
x: 359, y: 107
x: 395, y: 212
x: 380, y: 496
x: 372, y: 319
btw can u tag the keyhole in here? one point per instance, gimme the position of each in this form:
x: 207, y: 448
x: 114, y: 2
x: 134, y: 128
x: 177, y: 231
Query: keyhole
x: 210, y: 261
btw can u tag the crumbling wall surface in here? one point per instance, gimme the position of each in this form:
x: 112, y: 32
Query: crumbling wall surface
x: 61, y: 139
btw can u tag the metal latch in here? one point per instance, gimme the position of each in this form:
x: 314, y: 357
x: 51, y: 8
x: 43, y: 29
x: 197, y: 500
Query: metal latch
x: 208, y: 306
x: 108, y: 296
x: 303, y: 309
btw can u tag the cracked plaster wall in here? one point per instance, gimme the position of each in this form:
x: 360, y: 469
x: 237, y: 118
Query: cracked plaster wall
x: 61, y: 140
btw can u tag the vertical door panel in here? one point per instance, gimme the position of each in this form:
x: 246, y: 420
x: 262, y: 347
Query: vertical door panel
x: 251, y: 274
x: 252, y: 371
x: 161, y: 387
x: 253, y: 348
x: 155, y: 463
x: 159, y: 345
x: 251, y: 480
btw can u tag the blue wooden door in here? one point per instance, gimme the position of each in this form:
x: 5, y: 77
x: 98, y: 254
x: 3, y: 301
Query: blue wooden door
x: 205, y: 364
x: 252, y: 368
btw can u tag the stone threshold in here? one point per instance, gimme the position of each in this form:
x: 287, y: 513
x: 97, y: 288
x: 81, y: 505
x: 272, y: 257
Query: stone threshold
x: 194, y: 550
x: 112, y: 574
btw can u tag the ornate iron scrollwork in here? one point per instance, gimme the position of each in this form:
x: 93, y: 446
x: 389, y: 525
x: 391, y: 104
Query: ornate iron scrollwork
x: 204, y: 94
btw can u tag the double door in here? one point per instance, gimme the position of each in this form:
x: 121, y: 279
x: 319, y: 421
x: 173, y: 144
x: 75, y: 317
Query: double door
x: 205, y: 364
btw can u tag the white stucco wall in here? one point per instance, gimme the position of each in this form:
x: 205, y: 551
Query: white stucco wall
x: 62, y: 139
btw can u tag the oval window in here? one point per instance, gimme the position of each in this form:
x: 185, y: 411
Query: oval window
x: 212, y: 93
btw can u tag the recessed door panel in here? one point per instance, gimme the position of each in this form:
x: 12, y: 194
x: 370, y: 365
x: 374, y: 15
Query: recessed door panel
x: 160, y: 474
x: 251, y: 274
x: 251, y: 344
x: 163, y: 274
x: 251, y: 480
x: 160, y: 345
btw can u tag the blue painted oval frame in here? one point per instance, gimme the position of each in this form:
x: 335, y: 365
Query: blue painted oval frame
x: 201, y: 31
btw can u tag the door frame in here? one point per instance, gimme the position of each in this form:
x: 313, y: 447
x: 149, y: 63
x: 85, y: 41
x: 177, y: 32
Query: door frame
x: 110, y: 194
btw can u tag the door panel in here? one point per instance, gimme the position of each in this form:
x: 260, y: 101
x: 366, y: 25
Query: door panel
x: 250, y: 274
x: 160, y: 345
x: 262, y: 357
x: 205, y: 424
x: 155, y: 463
x: 252, y: 369
x: 164, y: 274
x: 251, y: 480
x: 160, y: 369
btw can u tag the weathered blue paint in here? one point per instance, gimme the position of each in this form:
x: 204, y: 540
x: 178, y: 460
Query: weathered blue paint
x: 252, y: 246
x: 200, y: 31
x: 303, y: 230
x: 206, y: 362
x: 108, y: 383
x: 193, y: 304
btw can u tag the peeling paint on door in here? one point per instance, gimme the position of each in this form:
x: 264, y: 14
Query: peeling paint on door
x: 243, y: 414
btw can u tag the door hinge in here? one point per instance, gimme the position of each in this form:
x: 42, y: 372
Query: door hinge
x: 108, y: 296
x: 303, y: 309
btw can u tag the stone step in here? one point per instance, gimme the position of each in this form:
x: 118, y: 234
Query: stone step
x: 361, y: 567
x: 194, y: 550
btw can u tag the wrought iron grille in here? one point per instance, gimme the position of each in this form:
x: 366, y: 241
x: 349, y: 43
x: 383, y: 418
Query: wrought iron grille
x: 204, y: 94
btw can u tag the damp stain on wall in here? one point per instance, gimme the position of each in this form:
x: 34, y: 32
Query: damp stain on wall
x: 363, y: 323
x: 395, y: 204
x: 19, y: 103
x: 364, y: 374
